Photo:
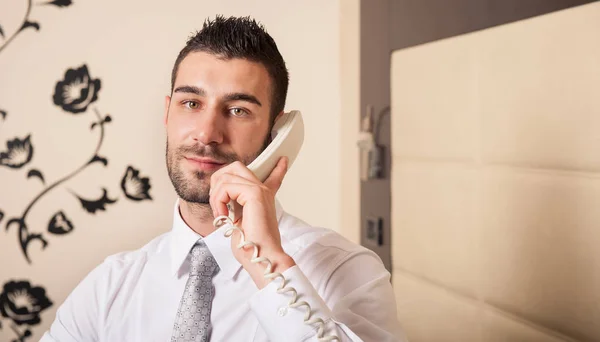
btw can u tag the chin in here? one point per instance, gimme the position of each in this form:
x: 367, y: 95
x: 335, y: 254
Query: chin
x: 192, y: 195
x: 191, y: 186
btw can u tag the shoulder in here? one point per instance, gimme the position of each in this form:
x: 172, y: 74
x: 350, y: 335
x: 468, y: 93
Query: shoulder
x: 87, y: 304
x: 323, y: 250
x: 125, y: 260
x: 119, y: 268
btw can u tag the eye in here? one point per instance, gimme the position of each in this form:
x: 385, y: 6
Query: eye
x: 191, y: 104
x: 238, y: 112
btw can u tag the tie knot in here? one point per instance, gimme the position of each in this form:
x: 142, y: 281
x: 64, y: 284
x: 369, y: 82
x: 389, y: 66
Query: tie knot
x: 203, y: 263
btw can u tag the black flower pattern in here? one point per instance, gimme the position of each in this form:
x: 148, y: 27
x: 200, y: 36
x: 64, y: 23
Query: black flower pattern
x: 59, y: 224
x: 77, y: 91
x: 18, y: 153
x: 136, y: 188
x: 23, y: 303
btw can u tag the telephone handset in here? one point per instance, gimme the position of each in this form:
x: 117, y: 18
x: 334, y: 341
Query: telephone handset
x: 287, y: 137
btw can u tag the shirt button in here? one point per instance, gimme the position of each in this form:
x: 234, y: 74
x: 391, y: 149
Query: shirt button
x: 282, y: 311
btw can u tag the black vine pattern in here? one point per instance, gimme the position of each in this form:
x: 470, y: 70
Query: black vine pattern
x: 36, y: 173
x: 22, y: 303
x: 27, y: 22
x: 59, y: 3
x: 91, y: 206
x: 2, y: 116
x: 74, y: 94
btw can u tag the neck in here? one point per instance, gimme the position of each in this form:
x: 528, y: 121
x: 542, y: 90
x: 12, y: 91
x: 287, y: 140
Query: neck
x: 197, y: 216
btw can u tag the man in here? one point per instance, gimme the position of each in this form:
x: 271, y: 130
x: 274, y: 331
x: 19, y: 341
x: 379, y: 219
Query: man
x: 229, y: 84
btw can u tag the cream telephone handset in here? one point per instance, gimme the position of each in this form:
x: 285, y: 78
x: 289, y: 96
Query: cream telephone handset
x: 287, y: 137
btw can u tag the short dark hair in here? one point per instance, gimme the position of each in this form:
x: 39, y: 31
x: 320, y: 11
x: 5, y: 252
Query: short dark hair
x: 241, y: 37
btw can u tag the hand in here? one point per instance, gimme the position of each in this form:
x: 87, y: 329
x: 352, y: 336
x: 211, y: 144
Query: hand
x: 259, y: 221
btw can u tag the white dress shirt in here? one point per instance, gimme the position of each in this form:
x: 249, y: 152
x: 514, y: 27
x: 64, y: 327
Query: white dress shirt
x: 134, y: 296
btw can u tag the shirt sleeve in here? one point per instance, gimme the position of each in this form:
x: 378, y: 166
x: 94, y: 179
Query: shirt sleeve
x: 356, y: 303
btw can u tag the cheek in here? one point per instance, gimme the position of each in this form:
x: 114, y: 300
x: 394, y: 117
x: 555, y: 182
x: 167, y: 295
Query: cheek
x: 178, y: 130
x: 247, y: 141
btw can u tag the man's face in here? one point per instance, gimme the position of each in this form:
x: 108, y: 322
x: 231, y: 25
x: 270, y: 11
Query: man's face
x: 218, y: 113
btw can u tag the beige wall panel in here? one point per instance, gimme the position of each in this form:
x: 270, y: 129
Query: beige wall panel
x: 435, y: 229
x: 428, y: 313
x: 434, y: 112
x: 541, y: 242
x: 538, y: 95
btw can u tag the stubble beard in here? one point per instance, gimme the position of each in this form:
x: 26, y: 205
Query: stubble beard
x: 195, y: 187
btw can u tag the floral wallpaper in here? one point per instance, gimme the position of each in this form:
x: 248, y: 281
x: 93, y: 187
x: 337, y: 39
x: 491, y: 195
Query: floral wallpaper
x: 77, y: 92
x: 28, y: 21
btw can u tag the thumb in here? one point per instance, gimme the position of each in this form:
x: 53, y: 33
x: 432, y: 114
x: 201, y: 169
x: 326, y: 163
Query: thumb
x: 275, y: 179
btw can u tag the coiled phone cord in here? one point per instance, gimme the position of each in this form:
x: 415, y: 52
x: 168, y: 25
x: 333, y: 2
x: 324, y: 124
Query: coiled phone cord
x: 223, y: 220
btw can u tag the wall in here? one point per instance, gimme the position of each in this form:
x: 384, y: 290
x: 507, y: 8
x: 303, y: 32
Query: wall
x: 495, y: 182
x: 374, y: 91
x: 350, y: 89
x: 129, y: 48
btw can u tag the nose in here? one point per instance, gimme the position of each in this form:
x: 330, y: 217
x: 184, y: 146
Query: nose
x: 210, y: 125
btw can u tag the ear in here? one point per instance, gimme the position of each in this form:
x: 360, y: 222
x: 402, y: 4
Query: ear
x: 167, y: 104
x: 278, y: 116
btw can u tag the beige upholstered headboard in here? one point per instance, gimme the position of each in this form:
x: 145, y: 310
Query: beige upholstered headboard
x: 496, y: 182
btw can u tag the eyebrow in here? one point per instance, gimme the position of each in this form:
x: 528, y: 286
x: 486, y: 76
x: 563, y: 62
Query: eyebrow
x: 243, y: 97
x: 190, y: 89
x: 229, y: 97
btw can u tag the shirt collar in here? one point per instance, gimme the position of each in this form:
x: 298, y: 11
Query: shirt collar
x: 183, y: 239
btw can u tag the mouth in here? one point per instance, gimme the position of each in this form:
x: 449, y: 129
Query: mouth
x: 204, y: 164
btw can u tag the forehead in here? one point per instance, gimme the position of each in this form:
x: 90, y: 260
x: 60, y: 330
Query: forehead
x: 221, y: 76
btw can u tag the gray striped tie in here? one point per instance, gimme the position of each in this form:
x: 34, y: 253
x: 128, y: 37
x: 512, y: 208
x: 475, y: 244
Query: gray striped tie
x: 193, y: 317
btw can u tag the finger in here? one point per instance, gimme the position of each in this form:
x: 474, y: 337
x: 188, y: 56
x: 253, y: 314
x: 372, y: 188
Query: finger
x: 232, y: 178
x: 226, y: 178
x: 236, y: 168
x: 227, y: 192
x: 275, y: 179
x: 218, y: 202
